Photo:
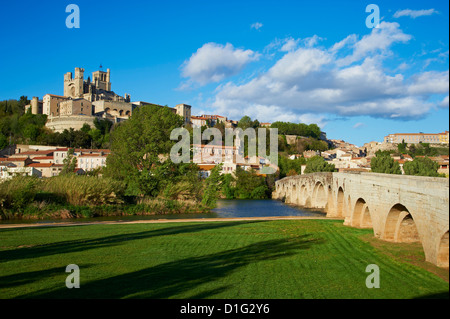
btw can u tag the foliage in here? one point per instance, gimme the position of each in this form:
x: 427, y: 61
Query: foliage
x: 84, y: 190
x: 301, y: 129
x: 17, y: 192
x: 287, y: 165
x: 69, y: 163
x: 318, y: 164
x: 424, y: 149
x: 140, y: 148
x: 249, y: 185
x: 19, y: 127
x: 384, y: 163
x: 213, y: 185
x: 421, y: 166
x: 402, y: 147
x: 246, y: 122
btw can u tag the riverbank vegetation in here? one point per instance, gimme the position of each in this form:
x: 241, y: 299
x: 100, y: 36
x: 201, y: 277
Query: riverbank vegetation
x: 71, y: 196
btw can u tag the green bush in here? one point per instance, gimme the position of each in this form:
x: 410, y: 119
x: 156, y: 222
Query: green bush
x: 85, y: 190
x: 18, y: 192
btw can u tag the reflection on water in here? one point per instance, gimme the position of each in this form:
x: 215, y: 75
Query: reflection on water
x: 225, y: 209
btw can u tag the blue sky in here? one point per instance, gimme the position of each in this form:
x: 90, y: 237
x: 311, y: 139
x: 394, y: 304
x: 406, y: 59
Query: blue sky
x: 298, y: 61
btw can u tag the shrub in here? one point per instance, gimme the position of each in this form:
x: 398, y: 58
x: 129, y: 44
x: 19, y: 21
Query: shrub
x: 18, y: 192
x: 85, y: 190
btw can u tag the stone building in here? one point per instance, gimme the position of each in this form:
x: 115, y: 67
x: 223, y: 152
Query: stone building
x: 87, y: 99
x: 35, y: 105
x: 83, y: 101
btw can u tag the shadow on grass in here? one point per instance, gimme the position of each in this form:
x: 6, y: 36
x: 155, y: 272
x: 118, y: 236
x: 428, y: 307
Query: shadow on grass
x: 183, y: 277
x: 26, y: 278
x: 70, y: 246
x: 439, y: 295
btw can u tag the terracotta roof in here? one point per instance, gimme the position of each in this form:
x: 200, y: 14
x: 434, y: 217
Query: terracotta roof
x: 12, y: 159
x: 206, y: 167
x: 40, y: 165
x: 105, y: 150
x: 43, y: 158
x: 36, y: 153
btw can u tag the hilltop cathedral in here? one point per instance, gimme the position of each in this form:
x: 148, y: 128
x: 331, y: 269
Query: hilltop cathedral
x: 85, y: 100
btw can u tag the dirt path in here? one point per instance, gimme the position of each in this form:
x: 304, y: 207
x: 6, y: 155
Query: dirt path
x: 158, y: 221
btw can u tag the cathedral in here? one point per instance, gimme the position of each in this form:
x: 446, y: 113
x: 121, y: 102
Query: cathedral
x: 85, y: 100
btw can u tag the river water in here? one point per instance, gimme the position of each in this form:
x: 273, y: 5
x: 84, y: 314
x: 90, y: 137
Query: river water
x: 225, y: 209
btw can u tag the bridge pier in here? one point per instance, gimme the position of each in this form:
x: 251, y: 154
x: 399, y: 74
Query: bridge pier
x: 398, y: 208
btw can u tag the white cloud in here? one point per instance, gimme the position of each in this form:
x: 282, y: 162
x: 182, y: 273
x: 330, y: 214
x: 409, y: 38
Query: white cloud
x: 444, y: 103
x: 309, y: 82
x: 414, y: 13
x: 290, y: 44
x: 256, y: 25
x: 377, y: 42
x: 431, y: 82
x: 295, y: 65
x: 358, y: 125
x: 214, y: 62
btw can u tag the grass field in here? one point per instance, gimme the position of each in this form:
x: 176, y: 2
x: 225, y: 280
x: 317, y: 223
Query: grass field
x: 241, y: 259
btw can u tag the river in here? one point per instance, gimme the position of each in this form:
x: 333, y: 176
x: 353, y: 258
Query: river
x: 226, y: 208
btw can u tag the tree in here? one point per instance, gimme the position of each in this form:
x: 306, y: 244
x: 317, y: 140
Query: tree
x: 229, y: 186
x: 245, y: 122
x: 318, y: 164
x: 384, y: 163
x: 290, y: 167
x: 3, y: 141
x: 421, y: 166
x: 69, y: 163
x: 402, y: 147
x: 249, y: 185
x: 136, y: 147
x: 213, y: 185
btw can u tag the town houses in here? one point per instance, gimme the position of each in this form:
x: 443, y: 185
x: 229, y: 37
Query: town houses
x: 85, y: 100
x: 45, y: 161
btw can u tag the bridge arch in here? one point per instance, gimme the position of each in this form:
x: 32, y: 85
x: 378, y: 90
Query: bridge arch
x: 340, y: 203
x: 358, y: 212
x: 400, y: 225
x: 303, y: 195
x: 443, y: 250
x: 319, y: 197
x: 294, y: 196
x: 366, y: 218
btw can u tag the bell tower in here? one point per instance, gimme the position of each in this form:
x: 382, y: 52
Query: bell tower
x: 74, y: 87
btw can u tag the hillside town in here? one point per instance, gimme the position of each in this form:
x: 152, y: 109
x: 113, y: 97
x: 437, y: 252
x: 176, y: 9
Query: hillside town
x: 84, y: 101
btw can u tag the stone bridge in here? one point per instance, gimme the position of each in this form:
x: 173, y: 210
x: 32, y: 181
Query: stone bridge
x: 398, y: 208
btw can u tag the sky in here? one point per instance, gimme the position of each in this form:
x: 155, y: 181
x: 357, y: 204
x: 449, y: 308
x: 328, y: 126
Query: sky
x: 319, y: 62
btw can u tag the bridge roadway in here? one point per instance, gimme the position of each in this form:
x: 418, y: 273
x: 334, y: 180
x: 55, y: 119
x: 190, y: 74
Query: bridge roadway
x: 398, y: 208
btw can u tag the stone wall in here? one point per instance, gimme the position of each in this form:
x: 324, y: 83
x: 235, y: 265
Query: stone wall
x: 60, y: 123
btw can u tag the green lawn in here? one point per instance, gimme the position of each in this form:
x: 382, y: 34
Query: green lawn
x: 243, y: 259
